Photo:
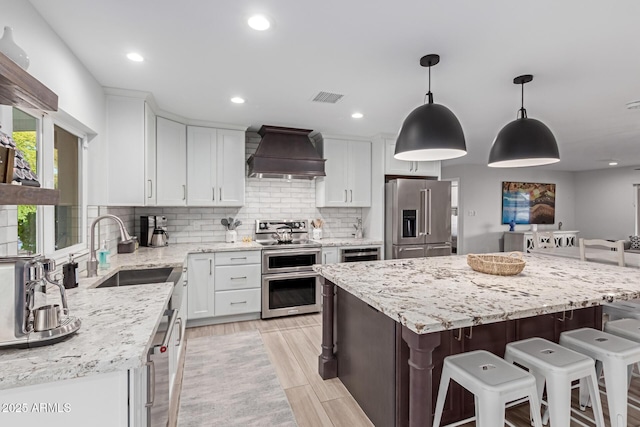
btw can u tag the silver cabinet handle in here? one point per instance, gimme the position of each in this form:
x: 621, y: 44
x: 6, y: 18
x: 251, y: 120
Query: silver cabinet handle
x: 213, y: 190
x: 220, y: 192
x: 345, y: 196
x: 210, y: 267
x: 409, y: 249
x: 179, y: 321
x: 416, y: 167
x: 151, y: 381
x: 410, y: 166
x: 244, y: 257
x: 239, y: 278
x: 184, y: 192
x: 239, y: 302
x: 150, y: 189
x: 351, y: 195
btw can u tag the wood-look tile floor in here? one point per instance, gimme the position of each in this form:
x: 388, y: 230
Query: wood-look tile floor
x: 293, y: 346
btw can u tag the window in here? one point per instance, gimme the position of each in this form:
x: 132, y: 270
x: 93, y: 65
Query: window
x: 55, y: 152
x: 25, y: 135
x: 66, y: 171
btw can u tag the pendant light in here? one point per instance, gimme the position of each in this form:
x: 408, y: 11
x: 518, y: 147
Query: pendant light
x: 524, y: 141
x: 431, y: 131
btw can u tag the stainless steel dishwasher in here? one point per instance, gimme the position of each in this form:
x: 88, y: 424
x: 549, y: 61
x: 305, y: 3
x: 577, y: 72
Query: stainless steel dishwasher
x: 360, y: 254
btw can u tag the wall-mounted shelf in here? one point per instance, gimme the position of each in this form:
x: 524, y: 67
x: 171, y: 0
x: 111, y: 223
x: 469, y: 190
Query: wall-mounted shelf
x: 20, y: 89
x: 25, y: 195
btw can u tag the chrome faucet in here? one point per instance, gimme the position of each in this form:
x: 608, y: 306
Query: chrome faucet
x: 92, y: 264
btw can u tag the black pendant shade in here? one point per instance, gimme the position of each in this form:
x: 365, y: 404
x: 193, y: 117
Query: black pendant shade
x: 431, y: 131
x: 524, y: 141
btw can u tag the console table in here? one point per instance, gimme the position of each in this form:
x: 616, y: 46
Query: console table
x: 523, y: 240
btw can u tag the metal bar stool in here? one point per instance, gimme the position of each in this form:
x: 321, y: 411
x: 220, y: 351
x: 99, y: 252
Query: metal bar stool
x: 493, y: 383
x: 614, y: 355
x: 556, y: 366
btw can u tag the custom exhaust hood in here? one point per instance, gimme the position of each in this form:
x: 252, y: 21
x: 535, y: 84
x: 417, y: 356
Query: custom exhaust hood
x: 285, y: 153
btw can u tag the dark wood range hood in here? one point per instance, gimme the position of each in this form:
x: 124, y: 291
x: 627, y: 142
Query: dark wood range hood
x: 285, y: 153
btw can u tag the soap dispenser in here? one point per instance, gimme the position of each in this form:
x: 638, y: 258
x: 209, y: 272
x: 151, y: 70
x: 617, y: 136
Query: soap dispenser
x: 103, y: 256
x: 70, y: 273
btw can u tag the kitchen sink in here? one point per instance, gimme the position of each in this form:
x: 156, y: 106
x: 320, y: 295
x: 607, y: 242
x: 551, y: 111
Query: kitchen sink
x: 142, y: 277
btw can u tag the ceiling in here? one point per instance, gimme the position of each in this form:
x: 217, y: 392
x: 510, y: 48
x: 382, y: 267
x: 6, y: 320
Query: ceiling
x: 198, y: 54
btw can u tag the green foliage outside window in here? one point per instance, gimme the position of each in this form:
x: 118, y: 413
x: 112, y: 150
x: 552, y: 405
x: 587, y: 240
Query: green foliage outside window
x: 27, y: 143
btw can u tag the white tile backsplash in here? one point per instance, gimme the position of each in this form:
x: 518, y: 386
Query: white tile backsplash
x: 264, y: 199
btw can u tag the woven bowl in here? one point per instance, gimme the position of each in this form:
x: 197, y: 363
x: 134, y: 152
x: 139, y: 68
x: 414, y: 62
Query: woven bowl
x: 499, y: 265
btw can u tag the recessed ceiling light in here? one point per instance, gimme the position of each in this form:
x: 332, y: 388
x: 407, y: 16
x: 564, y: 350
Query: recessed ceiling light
x: 237, y: 100
x: 613, y: 163
x: 259, y: 22
x: 135, y: 57
x: 633, y: 105
x: 357, y: 115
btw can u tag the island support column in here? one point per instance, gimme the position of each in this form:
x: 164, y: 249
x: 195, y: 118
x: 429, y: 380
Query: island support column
x: 421, y: 348
x: 327, y: 362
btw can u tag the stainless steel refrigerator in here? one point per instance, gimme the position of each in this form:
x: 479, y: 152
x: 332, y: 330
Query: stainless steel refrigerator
x: 417, y: 218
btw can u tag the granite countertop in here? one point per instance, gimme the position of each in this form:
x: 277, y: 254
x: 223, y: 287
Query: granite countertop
x: 440, y: 293
x: 349, y: 242
x: 117, y: 323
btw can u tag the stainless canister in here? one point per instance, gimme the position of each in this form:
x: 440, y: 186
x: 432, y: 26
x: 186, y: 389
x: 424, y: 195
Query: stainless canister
x: 46, y: 317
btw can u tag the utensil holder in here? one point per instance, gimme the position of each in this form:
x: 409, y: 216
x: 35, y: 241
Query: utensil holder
x: 231, y: 236
x: 316, y: 233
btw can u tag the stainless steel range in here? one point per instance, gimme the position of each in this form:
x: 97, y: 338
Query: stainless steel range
x: 289, y: 285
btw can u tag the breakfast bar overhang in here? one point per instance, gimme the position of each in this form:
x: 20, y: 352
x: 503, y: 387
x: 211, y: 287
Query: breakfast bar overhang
x: 387, y: 325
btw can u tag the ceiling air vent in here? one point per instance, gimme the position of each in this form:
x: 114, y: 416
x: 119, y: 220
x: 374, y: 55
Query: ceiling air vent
x: 328, y: 97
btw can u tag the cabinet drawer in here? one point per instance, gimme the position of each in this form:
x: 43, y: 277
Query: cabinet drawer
x: 237, y: 302
x: 230, y: 277
x: 239, y: 257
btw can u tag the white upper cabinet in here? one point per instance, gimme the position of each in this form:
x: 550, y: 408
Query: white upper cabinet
x: 393, y: 166
x: 215, y: 167
x: 348, y: 174
x: 130, y: 134
x: 171, y: 164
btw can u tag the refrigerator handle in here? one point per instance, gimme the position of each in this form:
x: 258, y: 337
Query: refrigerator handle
x: 428, y: 212
x: 421, y: 217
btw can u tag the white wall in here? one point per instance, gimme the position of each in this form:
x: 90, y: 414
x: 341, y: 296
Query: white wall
x: 480, y: 190
x: 605, y: 202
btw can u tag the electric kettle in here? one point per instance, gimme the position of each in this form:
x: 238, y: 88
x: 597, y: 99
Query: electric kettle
x: 160, y: 237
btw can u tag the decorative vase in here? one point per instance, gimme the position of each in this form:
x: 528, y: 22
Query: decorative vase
x: 231, y: 236
x: 12, y: 50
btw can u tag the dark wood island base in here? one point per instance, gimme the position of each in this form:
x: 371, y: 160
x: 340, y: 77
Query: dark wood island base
x: 394, y: 373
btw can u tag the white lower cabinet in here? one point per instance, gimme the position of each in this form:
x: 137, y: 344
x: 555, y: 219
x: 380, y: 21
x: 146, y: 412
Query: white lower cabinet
x: 224, y: 284
x: 97, y: 400
x: 330, y: 255
x: 237, y: 302
x: 201, y: 293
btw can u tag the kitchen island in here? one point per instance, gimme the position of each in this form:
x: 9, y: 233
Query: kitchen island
x: 396, y: 320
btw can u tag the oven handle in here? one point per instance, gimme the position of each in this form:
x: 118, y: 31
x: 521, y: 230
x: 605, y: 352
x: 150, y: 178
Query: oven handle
x: 268, y: 253
x: 268, y: 277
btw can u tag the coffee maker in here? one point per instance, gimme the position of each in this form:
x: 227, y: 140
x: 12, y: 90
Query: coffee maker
x: 28, y: 321
x: 153, y: 231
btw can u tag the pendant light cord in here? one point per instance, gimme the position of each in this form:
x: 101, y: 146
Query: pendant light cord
x: 522, y: 113
x: 429, y: 95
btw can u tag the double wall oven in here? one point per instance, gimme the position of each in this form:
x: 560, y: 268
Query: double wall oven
x: 289, y: 285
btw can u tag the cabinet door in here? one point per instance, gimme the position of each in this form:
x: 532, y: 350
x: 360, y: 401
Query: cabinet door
x: 201, y: 291
x: 150, y: 158
x: 393, y: 166
x: 201, y: 166
x: 125, y: 151
x: 171, y: 138
x: 230, y: 167
x: 359, y: 173
x: 329, y: 255
x: 332, y: 188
